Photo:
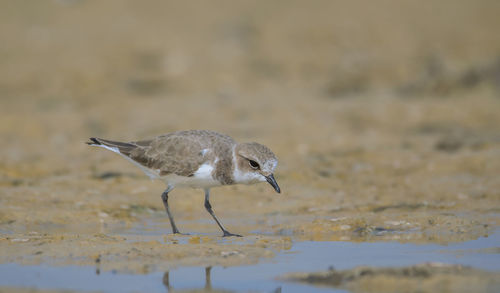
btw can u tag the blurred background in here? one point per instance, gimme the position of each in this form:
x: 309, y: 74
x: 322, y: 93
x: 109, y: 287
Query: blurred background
x: 284, y: 72
x: 378, y: 111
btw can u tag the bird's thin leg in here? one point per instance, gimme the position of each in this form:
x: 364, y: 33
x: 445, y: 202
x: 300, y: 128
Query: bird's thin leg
x: 209, y: 209
x: 164, y: 197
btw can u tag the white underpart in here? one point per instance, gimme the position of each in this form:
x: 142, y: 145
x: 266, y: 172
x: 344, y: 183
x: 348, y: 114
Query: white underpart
x: 245, y: 177
x: 202, y: 178
x: 205, y: 171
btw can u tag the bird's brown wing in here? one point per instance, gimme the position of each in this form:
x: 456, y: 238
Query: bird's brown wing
x: 171, y: 154
x: 180, y: 153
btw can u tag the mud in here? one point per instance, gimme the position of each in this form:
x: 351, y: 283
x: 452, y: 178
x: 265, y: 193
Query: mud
x: 385, y: 124
x: 427, y: 277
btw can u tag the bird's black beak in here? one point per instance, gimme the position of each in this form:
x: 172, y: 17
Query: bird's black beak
x: 273, y: 183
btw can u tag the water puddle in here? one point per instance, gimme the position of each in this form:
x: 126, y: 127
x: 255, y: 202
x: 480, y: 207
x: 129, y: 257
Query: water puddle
x: 307, y: 256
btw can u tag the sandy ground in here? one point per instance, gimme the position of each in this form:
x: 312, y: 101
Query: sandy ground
x: 385, y: 119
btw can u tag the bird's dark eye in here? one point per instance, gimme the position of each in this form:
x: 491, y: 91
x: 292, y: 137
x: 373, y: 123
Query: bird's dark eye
x: 253, y: 164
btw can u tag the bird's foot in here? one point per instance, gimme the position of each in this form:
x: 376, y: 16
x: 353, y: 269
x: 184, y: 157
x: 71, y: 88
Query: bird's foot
x: 229, y: 234
x: 179, y: 233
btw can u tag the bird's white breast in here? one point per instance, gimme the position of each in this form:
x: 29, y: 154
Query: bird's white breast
x: 202, y: 178
x: 204, y: 172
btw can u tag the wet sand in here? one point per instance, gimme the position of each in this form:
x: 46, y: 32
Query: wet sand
x: 383, y: 132
x: 427, y: 277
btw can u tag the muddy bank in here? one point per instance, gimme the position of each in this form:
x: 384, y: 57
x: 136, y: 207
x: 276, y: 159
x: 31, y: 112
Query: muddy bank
x: 428, y: 277
x: 140, y: 254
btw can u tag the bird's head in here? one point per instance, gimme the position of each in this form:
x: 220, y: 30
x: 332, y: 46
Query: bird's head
x: 255, y: 163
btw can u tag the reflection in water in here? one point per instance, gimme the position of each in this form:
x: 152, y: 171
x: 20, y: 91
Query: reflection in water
x: 208, y: 283
x: 98, y: 265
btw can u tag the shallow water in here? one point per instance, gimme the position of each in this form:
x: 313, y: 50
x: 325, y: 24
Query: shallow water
x: 305, y: 256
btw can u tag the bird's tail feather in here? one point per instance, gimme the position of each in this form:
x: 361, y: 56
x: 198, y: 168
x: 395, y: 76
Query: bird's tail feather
x: 116, y: 146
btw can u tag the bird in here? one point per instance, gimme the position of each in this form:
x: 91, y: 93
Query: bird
x: 197, y: 159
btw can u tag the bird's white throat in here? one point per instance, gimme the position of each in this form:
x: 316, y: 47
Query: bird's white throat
x: 244, y: 177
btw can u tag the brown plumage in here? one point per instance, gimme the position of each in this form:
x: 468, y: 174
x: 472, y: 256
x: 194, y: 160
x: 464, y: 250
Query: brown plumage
x: 197, y: 158
x: 179, y: 153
